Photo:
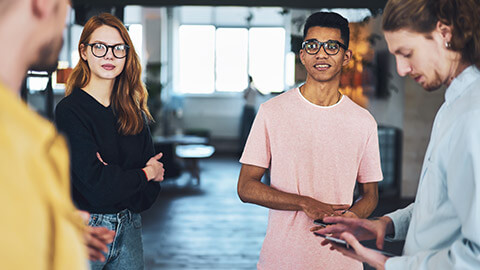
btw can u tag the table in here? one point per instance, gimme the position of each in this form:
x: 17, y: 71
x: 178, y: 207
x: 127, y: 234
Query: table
x: 192, y: 153
x: 180, y: 139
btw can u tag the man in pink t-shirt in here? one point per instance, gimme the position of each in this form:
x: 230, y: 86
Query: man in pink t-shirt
x: 317, y: 145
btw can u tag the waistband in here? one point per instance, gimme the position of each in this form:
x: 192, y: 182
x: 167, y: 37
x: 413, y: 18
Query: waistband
x: 120, y: 216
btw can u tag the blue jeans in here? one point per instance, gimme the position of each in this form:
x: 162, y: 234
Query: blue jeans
x: 126, y: 250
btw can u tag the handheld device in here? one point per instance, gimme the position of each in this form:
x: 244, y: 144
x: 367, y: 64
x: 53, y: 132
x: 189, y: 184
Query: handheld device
x: 321, y: 222
x: 344, y: 244
x: 340, y: 242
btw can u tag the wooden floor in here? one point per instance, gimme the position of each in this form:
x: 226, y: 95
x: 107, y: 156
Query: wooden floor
x: 207, y: 226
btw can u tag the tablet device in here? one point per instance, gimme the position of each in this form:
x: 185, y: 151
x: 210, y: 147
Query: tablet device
x: 344, y: 244
x: 321, y: 222
x: 337, y: 241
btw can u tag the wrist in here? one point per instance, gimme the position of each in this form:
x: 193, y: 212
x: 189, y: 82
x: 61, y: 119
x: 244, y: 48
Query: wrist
x: 350, y: 211
x: 147, y: 172
x: 388, y: 223
x: 303, y: 202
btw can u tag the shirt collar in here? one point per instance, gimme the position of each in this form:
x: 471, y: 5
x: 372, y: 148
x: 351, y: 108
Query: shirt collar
x: 460, y: 84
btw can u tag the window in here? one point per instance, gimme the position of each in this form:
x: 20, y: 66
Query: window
x: 267, y: 58
x: 231, y: 59
x: 220, y: 59
x: 197, y: 55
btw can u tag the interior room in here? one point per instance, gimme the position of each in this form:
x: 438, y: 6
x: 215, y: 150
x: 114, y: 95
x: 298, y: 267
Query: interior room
x: 197, y: 57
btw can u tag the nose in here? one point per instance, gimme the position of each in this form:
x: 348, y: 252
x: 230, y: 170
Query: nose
x: 403, y: 66
x: 109, y: 54
x: 322, y: 53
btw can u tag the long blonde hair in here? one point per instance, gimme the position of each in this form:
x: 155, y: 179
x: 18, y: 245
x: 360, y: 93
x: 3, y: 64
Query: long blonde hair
x: 129, y: 95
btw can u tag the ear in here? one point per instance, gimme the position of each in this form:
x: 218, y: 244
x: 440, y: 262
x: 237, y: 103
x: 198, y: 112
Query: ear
x: 445, y: 31
x: 347, y: 57
x: 83, y: 52
x: 42, y: 8
x: 302, y: 56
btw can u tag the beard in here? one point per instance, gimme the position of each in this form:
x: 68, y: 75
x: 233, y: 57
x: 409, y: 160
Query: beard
x: 433, y: 85
x: 48, y: 56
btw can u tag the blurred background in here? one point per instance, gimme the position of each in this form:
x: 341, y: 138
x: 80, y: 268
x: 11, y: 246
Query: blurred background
x: 197, y: 57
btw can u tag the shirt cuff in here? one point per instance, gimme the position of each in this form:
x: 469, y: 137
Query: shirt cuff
x: 400, y: 225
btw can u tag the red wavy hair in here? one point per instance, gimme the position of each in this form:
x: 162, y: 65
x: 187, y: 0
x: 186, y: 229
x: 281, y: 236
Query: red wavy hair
x: 129, y: 95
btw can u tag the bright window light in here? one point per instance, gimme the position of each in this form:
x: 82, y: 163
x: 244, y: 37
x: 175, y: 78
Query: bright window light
x: 290, y: 69
x: 267, y: 58
x: 231, y: 60
x: 136, y: 34
x: 197, y: 56
x: 37, y: 83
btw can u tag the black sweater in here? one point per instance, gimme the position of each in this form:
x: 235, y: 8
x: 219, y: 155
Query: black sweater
x: 91, y: 127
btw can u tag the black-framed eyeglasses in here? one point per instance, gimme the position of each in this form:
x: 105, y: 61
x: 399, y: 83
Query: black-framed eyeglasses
x: 100, y: 50
x: 331, y: 47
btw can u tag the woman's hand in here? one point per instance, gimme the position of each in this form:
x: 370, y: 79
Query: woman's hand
x: 154, y: 168
x: 101, y: 160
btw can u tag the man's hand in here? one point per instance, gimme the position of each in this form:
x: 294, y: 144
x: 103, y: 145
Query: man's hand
x: 363, y: 229
x: 317, y: 210
x: 96, y: 239
x: 358, y: 251
x: 348, y: 214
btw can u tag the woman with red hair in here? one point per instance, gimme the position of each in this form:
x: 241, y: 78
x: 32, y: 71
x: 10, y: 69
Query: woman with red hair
x: 115, y: 173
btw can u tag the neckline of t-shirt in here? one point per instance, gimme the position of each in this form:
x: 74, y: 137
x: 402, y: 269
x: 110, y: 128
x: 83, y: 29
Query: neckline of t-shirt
x: 95, y: 100
x: 315, y: 105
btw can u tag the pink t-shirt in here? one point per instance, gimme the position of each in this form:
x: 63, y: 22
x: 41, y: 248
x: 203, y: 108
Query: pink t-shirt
x: 314, y: 151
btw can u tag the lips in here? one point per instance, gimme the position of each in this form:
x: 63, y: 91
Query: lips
x: 417, y: 78
x: 108, y: 66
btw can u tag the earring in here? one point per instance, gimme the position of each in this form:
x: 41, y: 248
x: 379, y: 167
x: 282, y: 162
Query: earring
x: 447, y: 45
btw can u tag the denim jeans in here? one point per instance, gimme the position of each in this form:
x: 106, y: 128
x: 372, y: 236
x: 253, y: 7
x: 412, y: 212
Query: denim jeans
x: 126, y: 250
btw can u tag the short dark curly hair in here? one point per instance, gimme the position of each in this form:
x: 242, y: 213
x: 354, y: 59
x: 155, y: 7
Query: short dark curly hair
x: 330, y: 20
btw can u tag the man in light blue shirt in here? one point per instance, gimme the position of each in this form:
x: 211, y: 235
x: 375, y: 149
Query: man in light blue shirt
x: 436, y: 43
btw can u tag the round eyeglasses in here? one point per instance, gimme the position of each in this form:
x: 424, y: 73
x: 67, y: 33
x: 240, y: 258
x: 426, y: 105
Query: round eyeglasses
x: 331, y: 47
x: 100, y: 50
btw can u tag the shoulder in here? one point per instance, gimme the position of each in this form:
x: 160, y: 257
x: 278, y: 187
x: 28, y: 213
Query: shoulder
x: 73, y: 105
x: 70, y: 100
x: 280, y: 100
x: 358, y: 114
x: 21, y: 129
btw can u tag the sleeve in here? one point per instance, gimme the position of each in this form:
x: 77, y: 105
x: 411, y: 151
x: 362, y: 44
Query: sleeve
x: 150, y: 192
x: 257, y: 148
x: 463, y: 191
x: 149, y: 150
x: 401, y: 221
x: 369, y: 169
x: 90, y: 177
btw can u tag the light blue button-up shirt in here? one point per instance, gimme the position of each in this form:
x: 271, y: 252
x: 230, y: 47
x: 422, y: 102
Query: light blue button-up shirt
x: 442, y: 228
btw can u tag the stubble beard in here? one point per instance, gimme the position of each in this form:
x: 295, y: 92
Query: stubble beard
x: 48, y: 56
x: 434, y: 85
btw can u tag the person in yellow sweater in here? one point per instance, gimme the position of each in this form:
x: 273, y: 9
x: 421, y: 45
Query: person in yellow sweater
x: 41, y: 229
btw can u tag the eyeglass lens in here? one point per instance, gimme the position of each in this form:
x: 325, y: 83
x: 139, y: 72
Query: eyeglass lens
x: 330, y: 47
x: 100, y: 50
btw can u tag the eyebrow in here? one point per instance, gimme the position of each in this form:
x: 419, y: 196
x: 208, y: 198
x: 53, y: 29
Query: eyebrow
x: 103, y: 42
x: 310, y: 39
x: 402, y: 49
